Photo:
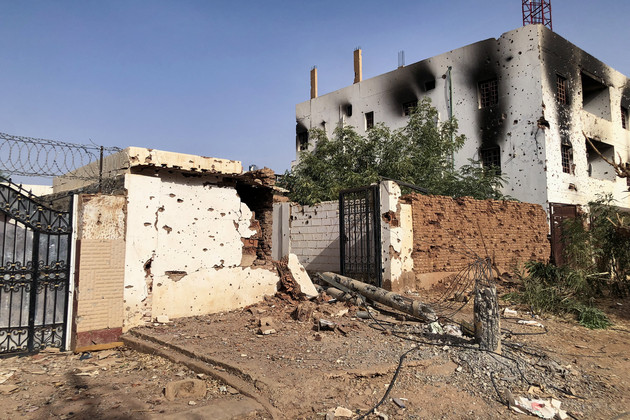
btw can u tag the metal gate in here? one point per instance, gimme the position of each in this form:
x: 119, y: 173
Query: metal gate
x: 558, y: 213
x: 34, y: 272
x: 360, y: 234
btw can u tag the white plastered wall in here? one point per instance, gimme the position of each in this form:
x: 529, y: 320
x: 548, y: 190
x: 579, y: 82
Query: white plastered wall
x: 184, y: 249
x: 396, y: 239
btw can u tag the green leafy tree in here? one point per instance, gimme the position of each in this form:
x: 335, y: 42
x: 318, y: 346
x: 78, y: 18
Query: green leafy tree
x: 420, y: 153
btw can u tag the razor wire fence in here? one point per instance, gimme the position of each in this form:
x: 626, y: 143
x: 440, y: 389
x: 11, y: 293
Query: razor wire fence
x: 29, y: 156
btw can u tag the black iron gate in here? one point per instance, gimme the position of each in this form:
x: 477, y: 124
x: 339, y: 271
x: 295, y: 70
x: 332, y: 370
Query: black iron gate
x: 34, y: 272
x: 360, y: 234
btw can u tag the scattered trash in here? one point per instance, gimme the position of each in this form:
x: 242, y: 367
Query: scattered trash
x: 530, y: 323
x: 223, y: 389
x: 399, y: 402
x: 192, y: 403
x: 326, y: 325
x: 436, y: 328
x: 86, y: 355
x: 510, y: 313
x: 545, y: 409
x: 453, y: 330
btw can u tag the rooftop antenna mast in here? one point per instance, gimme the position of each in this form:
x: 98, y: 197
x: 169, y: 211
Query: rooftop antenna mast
x: 537, y: 12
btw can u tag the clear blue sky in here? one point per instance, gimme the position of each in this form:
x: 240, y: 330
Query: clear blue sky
x: 221, y: 78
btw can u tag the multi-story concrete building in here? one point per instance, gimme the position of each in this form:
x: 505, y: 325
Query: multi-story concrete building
x: 523, y: 101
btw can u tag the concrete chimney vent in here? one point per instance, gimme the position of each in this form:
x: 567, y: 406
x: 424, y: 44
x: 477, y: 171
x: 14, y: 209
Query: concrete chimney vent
x: 358, y: 69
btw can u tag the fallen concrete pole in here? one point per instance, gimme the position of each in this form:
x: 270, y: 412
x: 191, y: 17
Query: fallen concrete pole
x: 391, y: 299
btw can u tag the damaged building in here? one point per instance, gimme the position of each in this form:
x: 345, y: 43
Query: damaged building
x: 523, y: 101
x: 170, y: 235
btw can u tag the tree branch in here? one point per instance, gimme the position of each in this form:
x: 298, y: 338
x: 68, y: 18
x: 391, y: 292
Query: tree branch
x: 621, y: 169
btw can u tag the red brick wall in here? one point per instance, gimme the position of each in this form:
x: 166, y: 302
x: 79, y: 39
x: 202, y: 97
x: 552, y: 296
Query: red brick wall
x: 444, y: 228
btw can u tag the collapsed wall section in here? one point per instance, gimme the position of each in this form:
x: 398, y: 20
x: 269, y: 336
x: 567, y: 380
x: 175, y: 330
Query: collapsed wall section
x: 314, y: 235
x: 446, y: 231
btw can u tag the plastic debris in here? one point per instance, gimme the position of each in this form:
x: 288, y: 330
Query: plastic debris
x: 530, y: 323
x: 436, y: 328
x: 452, y: 329
x: 510, y: 313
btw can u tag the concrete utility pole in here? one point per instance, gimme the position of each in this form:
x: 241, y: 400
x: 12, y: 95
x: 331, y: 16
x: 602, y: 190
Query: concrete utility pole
x: 391, y: 299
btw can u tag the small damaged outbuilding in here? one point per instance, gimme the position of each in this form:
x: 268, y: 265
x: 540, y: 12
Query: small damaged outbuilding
x: 169, y: 235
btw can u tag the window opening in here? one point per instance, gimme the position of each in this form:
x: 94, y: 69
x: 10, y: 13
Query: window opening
x: 561, y: 90
x: 595, y: 97
x: 491, y: 159
x: 597, y: 167
x: 624, y: 118
x: 369, y: 120
x: 349, y: 110
x: 429, y: 85
x: 488, y: 93
x: 566, y: 150
x: 302, y: 140
x: 408, y: 106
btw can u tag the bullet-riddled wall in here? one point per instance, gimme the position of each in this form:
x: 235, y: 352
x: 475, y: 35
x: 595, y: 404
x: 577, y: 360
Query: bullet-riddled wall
x: 187, y: 250
x: 510, y: 101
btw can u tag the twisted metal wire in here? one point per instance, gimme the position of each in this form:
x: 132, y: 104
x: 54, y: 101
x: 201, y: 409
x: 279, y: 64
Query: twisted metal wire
x: 30, y: 156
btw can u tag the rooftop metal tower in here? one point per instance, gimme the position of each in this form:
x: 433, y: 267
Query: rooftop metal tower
x: 535, y: 12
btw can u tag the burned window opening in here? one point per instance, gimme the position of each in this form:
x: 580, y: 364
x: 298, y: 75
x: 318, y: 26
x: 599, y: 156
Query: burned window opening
x: 624, y: 118
x: 566, y: 151
x: 595, y: 97
x: 429, y: 85
x: 302, y: 140
x: 409, y: 106
x: 369, y: 120
x: 488, y: 93
x: 348, y: 110
x: 597, y: 167
x: 561, y: 90
x: 491, y: 158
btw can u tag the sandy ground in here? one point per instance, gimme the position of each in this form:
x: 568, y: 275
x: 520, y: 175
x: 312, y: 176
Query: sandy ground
x: 306, y: 371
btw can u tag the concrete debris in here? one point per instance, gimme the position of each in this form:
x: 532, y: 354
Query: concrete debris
x: 341, y: 412
x: 5, y: 375
x: 7, y: 389
x: 304, y: 311
x: 266, y: 326
x: 363, y: 314
x: 301, y: 277
x: 185, y: 389
x: 381, y: 416
x: 162, y: 319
